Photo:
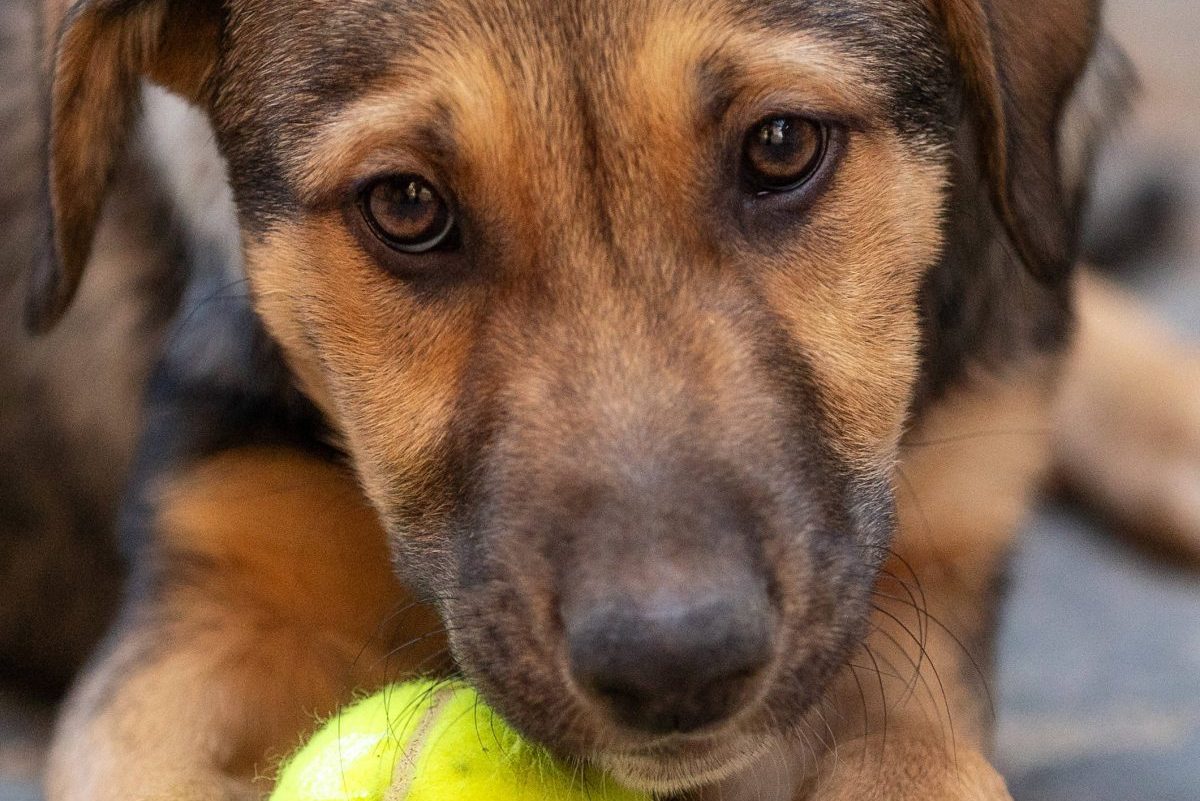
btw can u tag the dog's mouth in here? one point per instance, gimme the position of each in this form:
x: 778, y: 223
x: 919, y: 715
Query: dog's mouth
x: 676, y: 764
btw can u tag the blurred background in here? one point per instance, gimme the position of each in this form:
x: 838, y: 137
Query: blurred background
x: 1099, y: 686
x: 1099, y: 682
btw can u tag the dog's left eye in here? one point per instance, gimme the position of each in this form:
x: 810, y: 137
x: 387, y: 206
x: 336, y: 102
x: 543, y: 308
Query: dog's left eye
x: 781, y: 154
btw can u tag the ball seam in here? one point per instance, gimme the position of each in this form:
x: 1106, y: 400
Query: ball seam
x: 406, y: 767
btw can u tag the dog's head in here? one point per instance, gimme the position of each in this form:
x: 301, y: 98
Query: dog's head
x: 614, y: 304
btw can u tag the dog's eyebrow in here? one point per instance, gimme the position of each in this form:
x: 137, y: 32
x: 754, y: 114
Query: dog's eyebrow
x: 394, y: 133
x: 830, y: 79
x: 755, y: 70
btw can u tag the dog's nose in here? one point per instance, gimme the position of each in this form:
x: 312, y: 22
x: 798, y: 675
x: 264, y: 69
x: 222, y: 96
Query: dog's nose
x: 676, y: 663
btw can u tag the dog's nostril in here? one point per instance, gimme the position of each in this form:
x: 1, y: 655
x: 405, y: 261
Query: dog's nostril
x: 669, y: 667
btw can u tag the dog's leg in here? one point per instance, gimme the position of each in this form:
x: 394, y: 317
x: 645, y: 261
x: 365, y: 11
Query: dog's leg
x: 911, y: 714
x: 1127, y: 427
x: 269, y: 598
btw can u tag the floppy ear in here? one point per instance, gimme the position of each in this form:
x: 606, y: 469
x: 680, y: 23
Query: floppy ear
x: 1021, y: 62
x: 104, y: 49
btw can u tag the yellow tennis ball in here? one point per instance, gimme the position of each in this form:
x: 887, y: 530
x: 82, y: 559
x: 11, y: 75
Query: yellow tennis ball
x: 426, y: 741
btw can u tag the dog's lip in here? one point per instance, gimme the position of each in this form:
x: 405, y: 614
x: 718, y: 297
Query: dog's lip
x: 677, y: 763
x: 663, y: 753
x: 670, y: 744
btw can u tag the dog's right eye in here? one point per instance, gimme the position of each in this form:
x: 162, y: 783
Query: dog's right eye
x: 782, y: 153
x: 407, y: 213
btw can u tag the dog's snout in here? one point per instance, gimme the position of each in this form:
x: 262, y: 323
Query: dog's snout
x: 677, y: 663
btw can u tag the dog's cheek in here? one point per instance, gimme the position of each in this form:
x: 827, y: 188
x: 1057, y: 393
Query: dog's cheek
x: 847, y: 292
x: 383, y: 365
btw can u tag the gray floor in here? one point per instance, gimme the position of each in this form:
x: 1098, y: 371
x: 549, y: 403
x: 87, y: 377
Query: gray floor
x: 1099, y: 687
x: 23, y: 730
x: 1100, y: 671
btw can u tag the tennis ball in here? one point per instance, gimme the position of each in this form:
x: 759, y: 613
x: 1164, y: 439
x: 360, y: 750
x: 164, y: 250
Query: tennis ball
x: 426, y: 741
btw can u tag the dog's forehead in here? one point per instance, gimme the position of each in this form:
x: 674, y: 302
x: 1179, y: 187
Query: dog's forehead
x: 293, y: 66
x: 313, y: 38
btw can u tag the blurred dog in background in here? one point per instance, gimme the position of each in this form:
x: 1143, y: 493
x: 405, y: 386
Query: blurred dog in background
x: 674, y: 372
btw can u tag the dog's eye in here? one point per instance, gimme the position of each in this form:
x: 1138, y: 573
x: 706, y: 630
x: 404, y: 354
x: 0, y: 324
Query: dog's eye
x: 407, y: 214
x: 781, y: 154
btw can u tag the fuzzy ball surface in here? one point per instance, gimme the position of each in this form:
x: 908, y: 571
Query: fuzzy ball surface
x: 426, y: 741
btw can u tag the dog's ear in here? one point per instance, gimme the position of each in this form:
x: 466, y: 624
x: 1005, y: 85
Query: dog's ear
x: 1021, y: 62
x: 103, y: 50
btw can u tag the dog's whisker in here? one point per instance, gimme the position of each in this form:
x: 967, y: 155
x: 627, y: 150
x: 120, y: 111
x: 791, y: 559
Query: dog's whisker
x: 936, y: 674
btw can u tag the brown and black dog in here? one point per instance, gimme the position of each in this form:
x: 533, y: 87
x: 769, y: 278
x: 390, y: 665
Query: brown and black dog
x: 691, y: 363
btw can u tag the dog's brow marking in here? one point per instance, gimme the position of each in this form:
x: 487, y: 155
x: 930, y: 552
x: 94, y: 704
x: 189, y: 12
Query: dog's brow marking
x: 741, y: 60
x: 827, y: 77
x: 460, y: 112
x: 378, y: 128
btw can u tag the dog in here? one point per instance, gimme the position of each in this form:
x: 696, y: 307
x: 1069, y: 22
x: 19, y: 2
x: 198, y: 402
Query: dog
x: 678, y: 373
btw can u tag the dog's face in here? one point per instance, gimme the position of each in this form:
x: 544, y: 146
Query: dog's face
x: 615, y: 305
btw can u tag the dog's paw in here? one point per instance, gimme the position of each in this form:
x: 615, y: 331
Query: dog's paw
x: 1127, y: 436
x: 898, y: 769
x: 192, y: 787
x: 207, y: 789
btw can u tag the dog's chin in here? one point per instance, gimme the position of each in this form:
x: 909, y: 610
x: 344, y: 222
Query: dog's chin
x: 678, y: 767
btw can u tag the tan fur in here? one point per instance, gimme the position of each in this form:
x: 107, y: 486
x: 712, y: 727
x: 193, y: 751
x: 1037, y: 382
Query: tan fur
x: 1127, y: 425
x: 780, y: 65
x: 854, y: 305
x: 851, y: 306
x: 276, y: 588
x: 914, y: 768
x: 376, y: 135
x: 921, y: 683
x: 971, y: 465
x: 969, y: 472
x: 99, y: 60
x: 390, y: 367
x: 909, y: 717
